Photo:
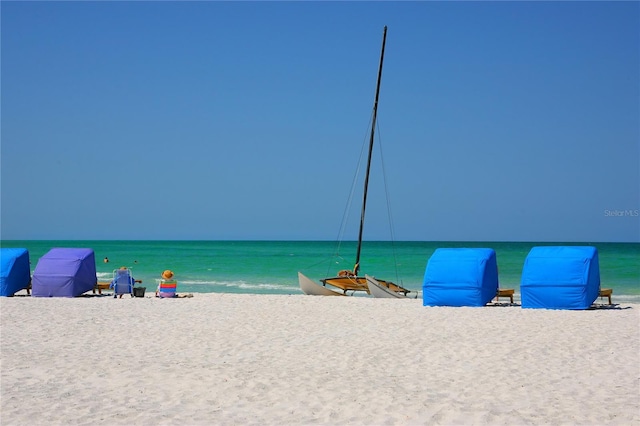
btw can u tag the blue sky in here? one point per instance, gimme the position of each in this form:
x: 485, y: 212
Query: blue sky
x: 498, y: 121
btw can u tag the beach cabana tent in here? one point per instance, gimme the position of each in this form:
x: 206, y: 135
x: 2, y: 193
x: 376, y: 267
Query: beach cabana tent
x: 64, y: 272
x: 560, y: 277
x: 460, y: 277
x: 15, y: 273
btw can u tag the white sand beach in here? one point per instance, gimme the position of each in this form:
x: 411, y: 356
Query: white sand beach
x: 224, y: 359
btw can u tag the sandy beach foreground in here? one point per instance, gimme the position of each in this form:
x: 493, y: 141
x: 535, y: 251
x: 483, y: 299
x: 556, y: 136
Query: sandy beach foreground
x: 266, y: 359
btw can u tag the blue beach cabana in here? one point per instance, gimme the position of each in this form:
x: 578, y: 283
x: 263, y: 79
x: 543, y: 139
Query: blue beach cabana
x: 15, y: 272
x: 64, y: 272
x: 560, y: 277
x: 460, y: 277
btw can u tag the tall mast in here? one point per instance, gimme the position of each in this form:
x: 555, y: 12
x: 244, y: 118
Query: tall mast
x: 366, y: 178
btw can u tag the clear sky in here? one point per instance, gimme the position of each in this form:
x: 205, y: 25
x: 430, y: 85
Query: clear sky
x: 498, y: 121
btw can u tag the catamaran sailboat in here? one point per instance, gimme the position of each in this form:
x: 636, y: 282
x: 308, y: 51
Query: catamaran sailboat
x: 349, y: 281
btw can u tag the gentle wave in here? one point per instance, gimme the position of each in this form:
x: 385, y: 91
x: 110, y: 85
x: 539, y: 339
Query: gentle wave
x: 203, y: 285
x: 239, y: 284
x: 623, y: 298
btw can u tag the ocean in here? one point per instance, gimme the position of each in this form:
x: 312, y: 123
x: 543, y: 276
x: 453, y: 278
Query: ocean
x: 270, y: 267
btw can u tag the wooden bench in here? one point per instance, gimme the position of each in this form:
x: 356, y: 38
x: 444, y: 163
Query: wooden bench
x: 505, y: 292
x: 101, y: 285
x: 606, y: 292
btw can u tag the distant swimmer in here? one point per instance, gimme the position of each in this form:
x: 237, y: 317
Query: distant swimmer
x: 106, y: 260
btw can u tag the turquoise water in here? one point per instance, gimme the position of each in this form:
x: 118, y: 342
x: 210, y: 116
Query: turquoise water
x: 270, y: 267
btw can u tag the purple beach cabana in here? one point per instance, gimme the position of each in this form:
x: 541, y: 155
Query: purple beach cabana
x: 64, y: 272
x: 15, y: 272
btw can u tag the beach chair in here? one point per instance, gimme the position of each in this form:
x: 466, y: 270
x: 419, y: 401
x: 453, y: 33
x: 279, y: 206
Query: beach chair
x: 122, y: 283
x: 606, y: 292
x: 505, y: 292
x: 167, y: 288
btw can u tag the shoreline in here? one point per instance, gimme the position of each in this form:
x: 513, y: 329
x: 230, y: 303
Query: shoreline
x: 277, y: 359
x: 616, y: 299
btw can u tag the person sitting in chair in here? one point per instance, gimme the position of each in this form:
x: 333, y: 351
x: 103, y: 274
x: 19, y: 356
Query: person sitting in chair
x: 123, y: 277
x: 167, y: 286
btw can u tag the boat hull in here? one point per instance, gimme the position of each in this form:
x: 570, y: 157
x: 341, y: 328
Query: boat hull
x: 377, y: 290
x: 348, y: 285
x: 312, y: 288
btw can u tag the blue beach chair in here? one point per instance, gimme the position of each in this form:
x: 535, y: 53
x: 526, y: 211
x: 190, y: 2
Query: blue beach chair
x: 123, y: 282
